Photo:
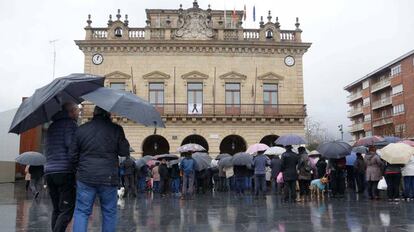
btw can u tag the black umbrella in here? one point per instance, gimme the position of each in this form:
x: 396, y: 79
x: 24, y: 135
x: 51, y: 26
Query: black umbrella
x: 334, y: 150
x: 48, y: 100
x: 126, y: 104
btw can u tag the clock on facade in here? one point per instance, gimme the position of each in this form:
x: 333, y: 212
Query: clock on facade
x: 97, y: 59
x: 289, y: 61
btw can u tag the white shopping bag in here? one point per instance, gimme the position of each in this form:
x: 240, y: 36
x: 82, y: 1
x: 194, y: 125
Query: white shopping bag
x: 382, y: 185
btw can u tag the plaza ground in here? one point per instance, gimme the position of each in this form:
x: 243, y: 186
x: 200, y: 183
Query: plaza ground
x: 217, y: 212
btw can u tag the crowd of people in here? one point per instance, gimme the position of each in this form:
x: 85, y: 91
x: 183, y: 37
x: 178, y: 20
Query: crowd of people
x: 83, y: 164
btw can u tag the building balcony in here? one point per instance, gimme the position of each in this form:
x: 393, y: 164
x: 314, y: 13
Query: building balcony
x: 382, y: 121
x: 354, y: 112
x: 182, y: 110
x: 354, y: 96
x: 356, y: 127
x: 381, y: 85
x: 381, y: 103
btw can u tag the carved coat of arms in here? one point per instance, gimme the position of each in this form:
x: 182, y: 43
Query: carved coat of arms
x: 194, y: 25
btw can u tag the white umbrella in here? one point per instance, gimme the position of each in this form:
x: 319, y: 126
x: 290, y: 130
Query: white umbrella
x: 397, y: 153
x: 275, y: 151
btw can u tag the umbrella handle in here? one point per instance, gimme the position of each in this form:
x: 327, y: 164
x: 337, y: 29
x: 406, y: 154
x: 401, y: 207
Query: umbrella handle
x: 155, y: 127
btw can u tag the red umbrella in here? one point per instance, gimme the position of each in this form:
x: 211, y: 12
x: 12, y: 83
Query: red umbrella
x: 368, y: 141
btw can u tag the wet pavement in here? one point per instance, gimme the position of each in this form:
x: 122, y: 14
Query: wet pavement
x: 217, y: 212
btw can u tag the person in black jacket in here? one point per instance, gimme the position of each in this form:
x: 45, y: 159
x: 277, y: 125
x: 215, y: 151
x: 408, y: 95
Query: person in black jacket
x: 164, y: 177
x: 289, y: 162
x: 321, y: 167
x: 36, y: 174
x: 175, y: 178
x: 95, y: 150
x: 129, y: 176
x: 240, y: 172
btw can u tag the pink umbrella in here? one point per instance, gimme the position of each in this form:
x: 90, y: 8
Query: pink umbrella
x: 368, y: 141
x: 253, y: 149
x: 408, y: 142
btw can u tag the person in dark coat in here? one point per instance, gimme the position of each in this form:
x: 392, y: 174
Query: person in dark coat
x: 392, y: 175
x: 337, y: 176
x: 240, y: 172
x: 95, y: 150
x: 36, y: 174
x: 129, y: 176
x: 359, y: 172
x: 321, y: 167
x: 175, y: 178
x: 140, y: 177
x: 259, y: 164
x: 275, y: 166
x: 59, y: 174
x: 289, y: 162
x: 164, y: 177
x: 305, y: 175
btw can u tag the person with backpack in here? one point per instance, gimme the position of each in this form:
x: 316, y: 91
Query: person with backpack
x: 305, y: 176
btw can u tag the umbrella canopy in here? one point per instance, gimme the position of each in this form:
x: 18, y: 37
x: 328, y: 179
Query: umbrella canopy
x: 31, y: 158
x: 203, y: 160
x: 360, y: 149
x: 275, y: 151
x: 126, y: 104
x: 221, y: 156
x: 314, y: 153
x: 350, y: 159
x: 408, y: 142
x: 242, y: 159
x: 139, y: 163
x: 48, y: 100
x: 122, y: 159
x: 190, y: 147
x: 226, y: 162
x: 256, y: 148
x: 166, y: 156
x: 291, y: 139
x: 334, y: 150
x: 368, y: 141
x: 397, y: 153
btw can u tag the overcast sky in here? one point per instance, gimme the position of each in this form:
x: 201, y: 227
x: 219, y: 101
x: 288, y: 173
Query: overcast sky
x: 350, y: 38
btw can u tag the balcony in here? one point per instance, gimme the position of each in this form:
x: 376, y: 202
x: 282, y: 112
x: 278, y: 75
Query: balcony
x: 381, y: 103
x: 222, y: 110
x: 381, y: 85
x: 354, y: 96
x: 356, y: 127
x: 354, y: 112
x: 382, y: 121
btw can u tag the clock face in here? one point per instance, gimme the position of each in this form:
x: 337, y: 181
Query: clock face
x: 97, y: 59
x: 289, y: 61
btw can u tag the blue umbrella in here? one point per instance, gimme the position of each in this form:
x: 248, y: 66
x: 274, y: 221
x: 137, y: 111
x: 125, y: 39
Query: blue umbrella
x: 360, y: 149
x: 335, y: 149
x: 31, y: 158
x: 387, y: 140
x: 291, y: 139
x: 350, y: 159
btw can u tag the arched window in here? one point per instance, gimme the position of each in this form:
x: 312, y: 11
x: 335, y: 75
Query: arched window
x: 118, y: 32
x: 232, y: 144
x: 155, y: 145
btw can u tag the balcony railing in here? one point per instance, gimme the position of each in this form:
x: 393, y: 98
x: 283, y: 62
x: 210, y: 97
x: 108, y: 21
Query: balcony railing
x: 354, y: 96
x: 221, y: 110
x: 356, y: 127
x: 354, y: 112
x: 382, y: 121
x: 380, y: 85
x: 381, y: 103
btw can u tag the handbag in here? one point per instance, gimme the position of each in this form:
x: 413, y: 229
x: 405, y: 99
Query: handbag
x: 382, y: 184
x: 279, y: 178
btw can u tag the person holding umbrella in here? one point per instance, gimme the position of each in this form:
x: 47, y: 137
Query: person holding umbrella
x: 129, y: 176
x: 95, y: 150
x: 36, y: 174
x: 58, y: 168
x: 164, y: 177
x: 187, y: 166
x: 373, y: 172
x: 392, y: 175
x: 289, y: 162
x: 305, y: 173
x: 259, y: 162
x: 359, y: 170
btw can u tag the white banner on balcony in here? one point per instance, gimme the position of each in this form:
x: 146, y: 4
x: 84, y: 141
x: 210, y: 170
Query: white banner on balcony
x: 195, y: 108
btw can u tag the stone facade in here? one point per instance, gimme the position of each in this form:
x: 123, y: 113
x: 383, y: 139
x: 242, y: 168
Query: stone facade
x: 180, y: 47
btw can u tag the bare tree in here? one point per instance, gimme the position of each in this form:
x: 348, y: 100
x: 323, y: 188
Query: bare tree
x: 316, y: 133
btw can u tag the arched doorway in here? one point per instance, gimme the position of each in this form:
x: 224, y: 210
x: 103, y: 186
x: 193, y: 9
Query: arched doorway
x: 269, y: 140
x: 232, y: 144
x: 155, y: 145
x: 198, y: 139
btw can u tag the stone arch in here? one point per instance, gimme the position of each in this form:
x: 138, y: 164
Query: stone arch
x: 233, y: 144
x: 198, y: 139
x: 269, y: 140
x: 155, y: 145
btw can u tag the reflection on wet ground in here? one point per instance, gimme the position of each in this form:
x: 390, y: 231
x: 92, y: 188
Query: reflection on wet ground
x: 218, y: 212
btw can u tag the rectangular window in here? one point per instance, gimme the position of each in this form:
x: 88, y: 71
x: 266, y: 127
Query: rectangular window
x: 400, y: 128
x: 397, y: 89
x: 368, y: 133
x: 156, y: 93
x: 398, y: 109
x: 117, y: 85
x: 396, y: 70
x: 270, y: 94
x: 367, y: 118
x: 365, y: 84
x: 195, y: 98
x: 365, y: 101
x: 232, y: 98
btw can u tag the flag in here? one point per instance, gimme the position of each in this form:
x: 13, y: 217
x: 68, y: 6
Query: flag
x: 244, y: 13
x: 254, y: 13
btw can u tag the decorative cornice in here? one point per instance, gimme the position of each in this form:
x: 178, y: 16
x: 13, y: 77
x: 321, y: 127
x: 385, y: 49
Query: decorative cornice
x: 195, y: 75
x: 117, y: 75
x: 156, y: 75
x: 233, y: 76
x: 271, y: 76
